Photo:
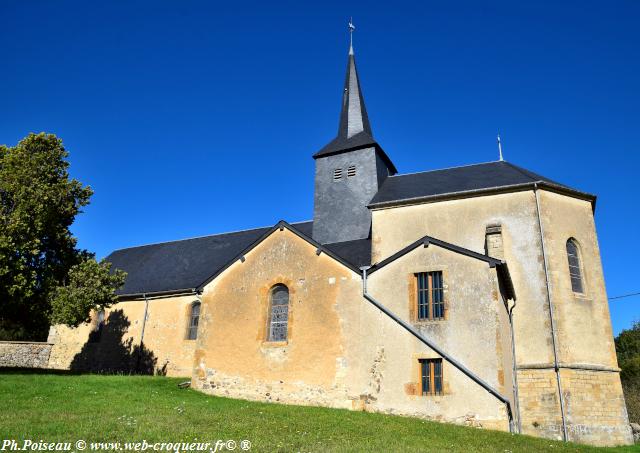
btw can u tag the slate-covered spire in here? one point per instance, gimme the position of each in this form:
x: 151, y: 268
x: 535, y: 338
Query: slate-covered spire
x: 354, y: 130
x: 353, y: 117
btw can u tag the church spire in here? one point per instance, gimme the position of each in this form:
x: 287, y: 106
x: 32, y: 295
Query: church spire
x: 353, y: 117
x: 354, y: 130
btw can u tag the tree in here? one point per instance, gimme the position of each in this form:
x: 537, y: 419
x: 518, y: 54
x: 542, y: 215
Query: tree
x: 38, y: 204
x: 91, y: 286
x: 628, y: 351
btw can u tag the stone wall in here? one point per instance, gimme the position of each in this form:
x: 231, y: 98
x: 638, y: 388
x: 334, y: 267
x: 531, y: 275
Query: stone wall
x: 539, y: 403
x: 472, y: 306
x: 596, y: 413
x: 594, y: 407
x: 120, y: 349
x: 584, y: 337
x: 582, y: 320
x: 340, y: 350
x: 234, y: 356
x: 22, y: 354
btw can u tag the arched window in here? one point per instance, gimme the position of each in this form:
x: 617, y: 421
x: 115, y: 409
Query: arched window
x: 279, y: 316
x: 575, y: 266
x: 192, y: 333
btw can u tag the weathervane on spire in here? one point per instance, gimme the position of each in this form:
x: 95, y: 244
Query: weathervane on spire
x: 500, y: 147
x: 352, y: 28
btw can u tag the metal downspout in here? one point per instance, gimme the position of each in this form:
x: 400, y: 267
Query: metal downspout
x: 437, y: 349
x: 144, y: 324
x: 516, y: 395
x: 554, y: 339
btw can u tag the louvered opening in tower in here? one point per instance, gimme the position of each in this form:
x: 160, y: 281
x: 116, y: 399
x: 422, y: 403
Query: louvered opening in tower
x: 351, y: 171
x: 337, y: 174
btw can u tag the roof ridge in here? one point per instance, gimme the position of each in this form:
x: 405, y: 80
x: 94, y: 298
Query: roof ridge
x: 203, y: 236
x: 280, y: 225
x: 446, y: 168
x: 525, y: 172
x: 426, y: 240
x: 537, y: 177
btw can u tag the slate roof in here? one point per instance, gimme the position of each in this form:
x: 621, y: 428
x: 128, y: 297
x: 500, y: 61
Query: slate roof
x: 357, y: 253
x: 354, y: 129
x: 179, y: 265
x: 342, y: 144
x: 459, y: 180
x: 184, y: 265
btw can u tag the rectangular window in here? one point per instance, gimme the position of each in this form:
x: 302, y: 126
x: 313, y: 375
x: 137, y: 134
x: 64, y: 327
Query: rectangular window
x: 430, y: 295
x: 431, y: 376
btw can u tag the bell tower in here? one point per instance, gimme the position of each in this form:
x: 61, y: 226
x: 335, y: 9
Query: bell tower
x: 349, y: 170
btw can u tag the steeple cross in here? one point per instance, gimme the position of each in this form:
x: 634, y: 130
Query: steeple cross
x: 352, y: 28
x: 500, y: 147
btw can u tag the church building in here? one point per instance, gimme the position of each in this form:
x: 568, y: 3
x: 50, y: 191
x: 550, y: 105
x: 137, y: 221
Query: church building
x: 472, y: 295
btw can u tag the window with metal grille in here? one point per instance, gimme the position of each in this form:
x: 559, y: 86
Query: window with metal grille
x: 279, y: 318
x: 431, y: 376
x: 194, y: 319
x: 351, y: 171
x: 337, y: 174
x: 430, y: 295
x: 575, y: 269
x: 96, y: 335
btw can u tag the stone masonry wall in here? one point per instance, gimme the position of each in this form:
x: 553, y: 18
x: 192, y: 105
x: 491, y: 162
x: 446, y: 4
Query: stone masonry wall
x: 594, y: 407
x: 298, y: 392
x: 19, y: 354
x: 539, y: 403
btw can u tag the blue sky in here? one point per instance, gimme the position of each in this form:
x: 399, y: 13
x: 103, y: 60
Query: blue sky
x: 195, y: 117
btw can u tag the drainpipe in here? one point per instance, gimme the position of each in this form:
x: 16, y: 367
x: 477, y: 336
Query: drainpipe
x: 554, y: 339
x: 516, y: 397
x: 144, y: 324
x: 437, y: 349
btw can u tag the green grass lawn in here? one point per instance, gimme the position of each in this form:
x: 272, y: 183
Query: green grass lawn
x: 56, y: 407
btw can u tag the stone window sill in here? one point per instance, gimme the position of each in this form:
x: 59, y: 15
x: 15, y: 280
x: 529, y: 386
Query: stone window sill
x: 582, y: 297
x: 434, y: 397
x: 274, y: 344
x: 429, y: 321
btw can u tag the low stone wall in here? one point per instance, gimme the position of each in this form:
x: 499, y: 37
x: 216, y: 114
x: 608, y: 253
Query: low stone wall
x: 23, y: 354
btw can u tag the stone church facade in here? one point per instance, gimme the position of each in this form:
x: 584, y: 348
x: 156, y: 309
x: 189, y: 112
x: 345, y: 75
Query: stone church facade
x: 471, y: 295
